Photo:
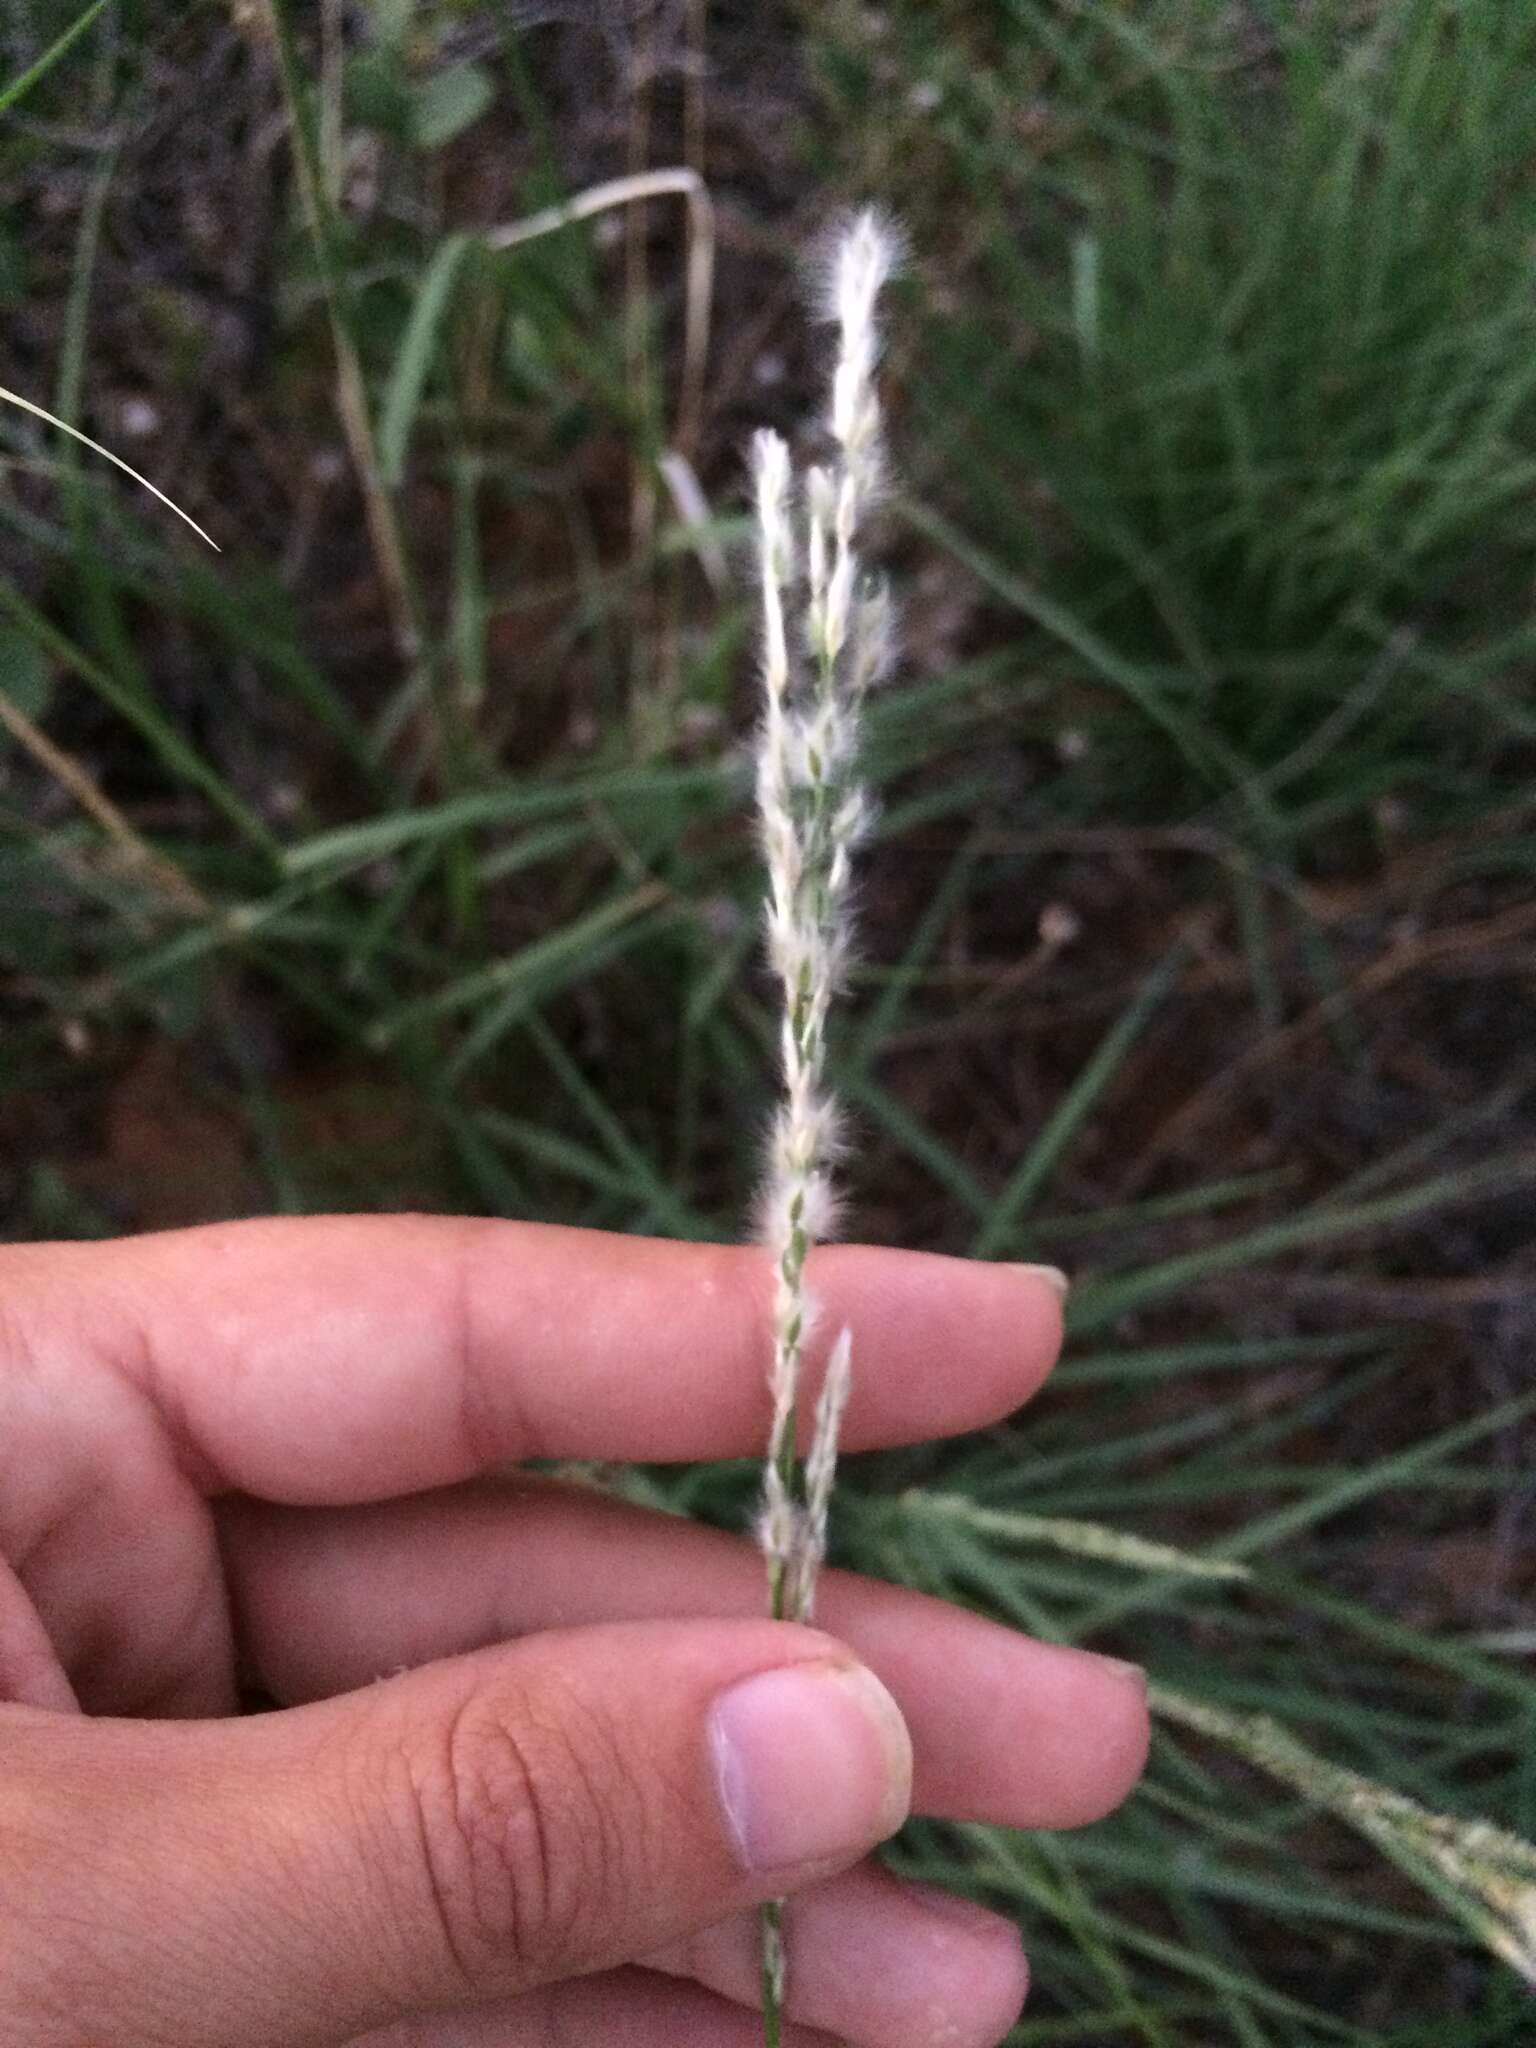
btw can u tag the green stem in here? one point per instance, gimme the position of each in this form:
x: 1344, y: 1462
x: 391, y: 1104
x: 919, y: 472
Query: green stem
x: 772, y: 1917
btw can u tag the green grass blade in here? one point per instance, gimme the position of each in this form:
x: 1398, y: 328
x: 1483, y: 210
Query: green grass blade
x: 35, y: 73
x: 414, y: 357
x: 1098, y: 1302
x: 535, y: 969
x: 1062, y: 1126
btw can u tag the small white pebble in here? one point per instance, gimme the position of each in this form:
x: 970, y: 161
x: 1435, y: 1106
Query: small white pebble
x: 1059, y: 925
x: 139, y: 418
x: 1391, y: 814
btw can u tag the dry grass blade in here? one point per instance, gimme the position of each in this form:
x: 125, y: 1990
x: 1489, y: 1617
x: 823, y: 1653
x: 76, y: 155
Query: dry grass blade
x: 51, y: 419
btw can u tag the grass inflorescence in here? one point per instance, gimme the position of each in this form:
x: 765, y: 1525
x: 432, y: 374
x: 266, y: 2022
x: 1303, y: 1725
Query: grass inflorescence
x: 812, y: 813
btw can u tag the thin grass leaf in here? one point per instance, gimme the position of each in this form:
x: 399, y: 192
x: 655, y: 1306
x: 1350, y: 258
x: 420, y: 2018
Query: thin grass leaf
x: 376, y: 837
x: 20, y: 86
x: 49, y: 419
x: 534, y: 970
x: 1098, y: 1302
x: 164, y: 740
x: 414, y: 357
x: 1063, y: 1124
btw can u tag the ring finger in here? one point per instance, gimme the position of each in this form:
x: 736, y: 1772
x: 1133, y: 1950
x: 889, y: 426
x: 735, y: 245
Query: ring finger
x: 1004, y: 1730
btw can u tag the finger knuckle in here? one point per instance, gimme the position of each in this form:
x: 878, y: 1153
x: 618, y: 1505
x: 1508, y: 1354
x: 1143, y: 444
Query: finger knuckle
x: 516, y: 1838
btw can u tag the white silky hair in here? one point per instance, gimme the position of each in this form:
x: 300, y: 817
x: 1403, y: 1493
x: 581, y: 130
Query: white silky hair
x: 812, y: 814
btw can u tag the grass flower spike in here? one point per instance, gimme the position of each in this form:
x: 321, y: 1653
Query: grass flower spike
x: 1484, y: 1874
x: 812, y: 814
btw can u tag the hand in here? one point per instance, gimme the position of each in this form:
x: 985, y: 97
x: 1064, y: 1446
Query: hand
x: 258, y: 1455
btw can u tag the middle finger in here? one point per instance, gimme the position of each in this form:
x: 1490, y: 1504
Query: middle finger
x: 1004, y: 1730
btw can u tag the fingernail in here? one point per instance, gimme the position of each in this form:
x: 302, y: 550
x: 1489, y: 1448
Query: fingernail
x: 1053, y: 1277
x: 811, y: 1761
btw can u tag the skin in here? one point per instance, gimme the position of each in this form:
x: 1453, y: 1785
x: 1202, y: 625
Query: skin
x: 275, y: 1456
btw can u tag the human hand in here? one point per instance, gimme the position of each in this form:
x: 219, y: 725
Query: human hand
x: 257, y: 1454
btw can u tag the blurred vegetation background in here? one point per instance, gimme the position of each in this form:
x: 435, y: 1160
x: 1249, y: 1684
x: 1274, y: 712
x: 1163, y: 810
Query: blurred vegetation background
x: 400, y: 854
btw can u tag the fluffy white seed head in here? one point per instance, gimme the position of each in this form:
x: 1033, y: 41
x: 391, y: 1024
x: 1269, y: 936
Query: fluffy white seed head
x: 775, y: 530
x: 806, y: 1136
x: 821, y: 1464
x: 776, y: 552
x: 851, y: 819
x: 812, y: 816
x: 809, y: 1536
x: 865, y: 256
x: 778, y: 1522
x: 1510, y: 1931
x: 810, y: 1209
x: 873, y: 640
x: 864, y: 259
x: 820, y: 517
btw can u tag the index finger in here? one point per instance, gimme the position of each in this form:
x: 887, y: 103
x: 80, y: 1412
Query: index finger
x: 344, y: 1359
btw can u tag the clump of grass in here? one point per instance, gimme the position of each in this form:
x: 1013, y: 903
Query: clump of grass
x: 1229, y: 393
x: 1483, y: 1874
x: 812, y: 813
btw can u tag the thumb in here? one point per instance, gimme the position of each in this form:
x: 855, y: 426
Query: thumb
x: 469, y: 1830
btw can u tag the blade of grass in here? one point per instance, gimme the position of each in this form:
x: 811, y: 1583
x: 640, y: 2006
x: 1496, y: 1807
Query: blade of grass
x: 20, y: 86
x: 1100, y: 1070
x: 1161, y: 1363
x: 660, y: 1202
x: 1268, y: 1531
x: 534, y: 969
x: 176, y: 753
x: 26, y: 405
x: 1055, y: 620
x: 1098, y: 1302
x: 413, y: 358
x: 376, y: 837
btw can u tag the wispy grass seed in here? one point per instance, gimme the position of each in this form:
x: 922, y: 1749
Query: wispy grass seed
x: 812, y: 814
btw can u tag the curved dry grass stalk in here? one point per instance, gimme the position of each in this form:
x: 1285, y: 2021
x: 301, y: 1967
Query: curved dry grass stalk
x: 38, y: 412
x: 685, y: 183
